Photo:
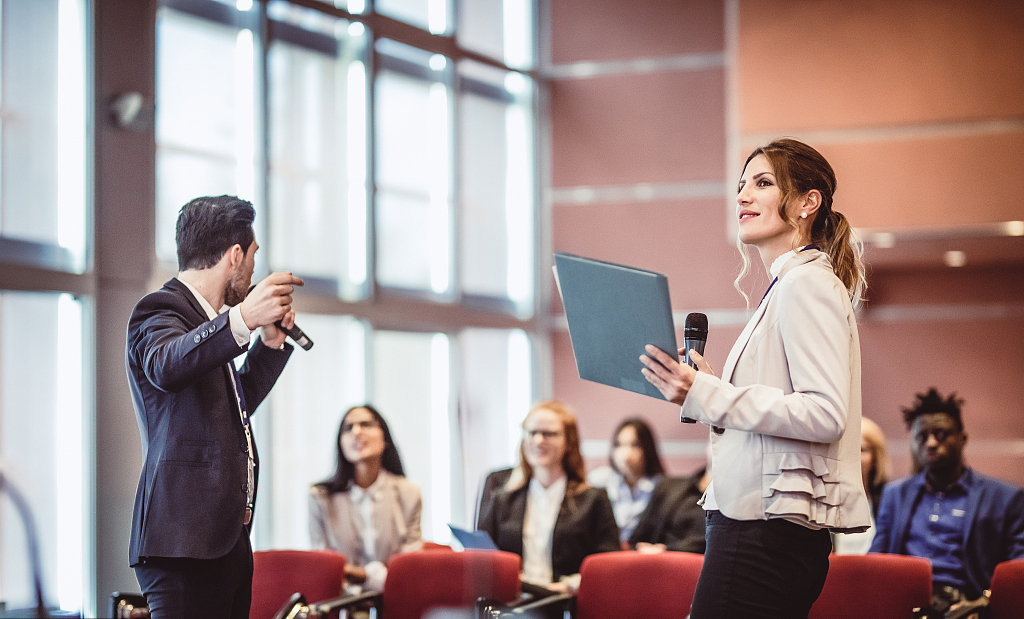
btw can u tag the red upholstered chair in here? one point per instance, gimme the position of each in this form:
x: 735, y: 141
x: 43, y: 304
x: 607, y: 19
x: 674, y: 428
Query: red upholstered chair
x: 277, y: 574
x: 630, y: 584
x: 435, y: 546
x: 1007, y: 601
x: 420, y: 581
x: 879, y: 586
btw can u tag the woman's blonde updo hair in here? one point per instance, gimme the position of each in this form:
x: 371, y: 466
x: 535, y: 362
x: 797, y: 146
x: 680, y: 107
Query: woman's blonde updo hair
x: 798, y: 169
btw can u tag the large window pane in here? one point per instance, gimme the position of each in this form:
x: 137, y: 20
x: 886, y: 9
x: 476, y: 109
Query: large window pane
x: 430, y: 15
x: 42, y: 396
x: 497, y: 184
x: 416, y: 403
x: 495, y: 394
x: 318, y: 131
x: 297, y: 433
x: 413, y: 169
x: 501, y: 29
x: 205, y: 122
x: 43, y: 133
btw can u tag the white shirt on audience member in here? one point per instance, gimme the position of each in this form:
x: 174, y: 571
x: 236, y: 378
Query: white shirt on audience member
x: 627, y: 503
x: 542, y: 507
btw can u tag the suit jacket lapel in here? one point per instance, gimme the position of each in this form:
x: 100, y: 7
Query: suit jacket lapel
x: 741, y: 342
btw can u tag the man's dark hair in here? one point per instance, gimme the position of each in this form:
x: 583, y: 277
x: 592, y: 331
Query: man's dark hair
x: 932, y: 402
x: 209, y: 226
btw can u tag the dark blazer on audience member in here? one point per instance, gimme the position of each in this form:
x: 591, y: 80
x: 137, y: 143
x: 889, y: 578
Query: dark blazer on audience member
x: 673, y: 516
x: 585, y: 524
x: 994, y: 524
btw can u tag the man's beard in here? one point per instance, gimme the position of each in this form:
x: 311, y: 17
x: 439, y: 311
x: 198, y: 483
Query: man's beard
x: 236, y: 289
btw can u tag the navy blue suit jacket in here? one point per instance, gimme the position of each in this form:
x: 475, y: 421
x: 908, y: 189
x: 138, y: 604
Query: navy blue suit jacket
x: 191, y: 497
x: 994, y: 519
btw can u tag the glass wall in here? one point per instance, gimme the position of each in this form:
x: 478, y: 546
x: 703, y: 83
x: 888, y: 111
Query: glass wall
x: 43, y: 447
x: 399, y: 183
x: 46, y: 518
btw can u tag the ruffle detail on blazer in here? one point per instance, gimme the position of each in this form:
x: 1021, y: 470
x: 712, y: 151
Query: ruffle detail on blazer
x: 807, y: 488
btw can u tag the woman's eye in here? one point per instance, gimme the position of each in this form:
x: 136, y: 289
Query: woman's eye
x: 764, y: 183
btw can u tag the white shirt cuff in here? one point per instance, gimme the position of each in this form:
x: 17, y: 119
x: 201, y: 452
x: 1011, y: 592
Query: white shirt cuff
x: 238, y: 329
x: 376, y: 572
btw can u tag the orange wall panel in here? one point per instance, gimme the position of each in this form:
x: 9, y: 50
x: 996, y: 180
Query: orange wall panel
x: 811, y: 64
x: 928, y: 182
x: 624, y: 129
x: 588, y: 30
x: 684, y: 240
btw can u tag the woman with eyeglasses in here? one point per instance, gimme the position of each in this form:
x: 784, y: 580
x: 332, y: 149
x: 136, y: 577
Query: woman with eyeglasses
x: 546, y: 512
x: 367, y: 510
x: 786, y: 410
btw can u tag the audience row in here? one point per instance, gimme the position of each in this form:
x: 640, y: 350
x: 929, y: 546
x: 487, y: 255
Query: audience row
x: 548, y: 510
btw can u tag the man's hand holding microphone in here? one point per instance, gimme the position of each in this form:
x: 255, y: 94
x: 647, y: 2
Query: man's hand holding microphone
x: 269, y: 306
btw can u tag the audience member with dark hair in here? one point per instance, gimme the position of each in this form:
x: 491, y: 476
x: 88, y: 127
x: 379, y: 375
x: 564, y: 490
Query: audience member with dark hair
x: 367, y: 510
x: 546, y: 512
x: 963, y: 522
x: 654, y: 512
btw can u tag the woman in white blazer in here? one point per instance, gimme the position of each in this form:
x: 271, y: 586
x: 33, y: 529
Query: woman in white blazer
x: 367, y: 510
x: 786, y: 411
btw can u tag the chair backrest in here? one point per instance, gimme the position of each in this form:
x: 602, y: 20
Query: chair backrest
x: 1007, y: 589
x: 631, y: 584
x: 422, y: 580
x: 879, y: 586
x: 277, y: 574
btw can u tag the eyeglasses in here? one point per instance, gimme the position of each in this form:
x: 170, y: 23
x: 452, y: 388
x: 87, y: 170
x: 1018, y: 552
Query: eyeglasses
x: 369, y: 424
x: 547, y: 435
x: 940, y: 434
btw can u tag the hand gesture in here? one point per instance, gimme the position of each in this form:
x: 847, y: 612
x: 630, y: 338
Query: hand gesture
x: 673, y: 379
x: 269, y: 301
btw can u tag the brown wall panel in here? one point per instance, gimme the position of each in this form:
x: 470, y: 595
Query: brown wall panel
x: 685, y: 240
x: 624, y: 129
x: 954, y: 286
x: 929, y: 182
x: 811, y: 64
x: 583, y: 30
x: 982, y: 360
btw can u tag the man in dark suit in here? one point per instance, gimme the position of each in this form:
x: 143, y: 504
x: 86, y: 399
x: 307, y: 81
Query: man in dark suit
x: 963, y: 522
x: 193, y: 508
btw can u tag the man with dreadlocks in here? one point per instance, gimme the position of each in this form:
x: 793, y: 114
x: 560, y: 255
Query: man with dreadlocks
x: 961, y: 521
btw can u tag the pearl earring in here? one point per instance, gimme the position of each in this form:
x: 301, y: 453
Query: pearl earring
x: 803, y: 215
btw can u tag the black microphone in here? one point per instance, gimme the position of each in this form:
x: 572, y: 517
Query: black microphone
x: 695, y: 336
x: 297, y: 335
x: 295, y: 332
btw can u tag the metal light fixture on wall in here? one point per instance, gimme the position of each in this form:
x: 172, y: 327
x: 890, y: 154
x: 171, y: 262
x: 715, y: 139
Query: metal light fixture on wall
x: 132, y: 111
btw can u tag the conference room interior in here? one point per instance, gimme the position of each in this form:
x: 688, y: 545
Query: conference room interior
x: 418, y: 162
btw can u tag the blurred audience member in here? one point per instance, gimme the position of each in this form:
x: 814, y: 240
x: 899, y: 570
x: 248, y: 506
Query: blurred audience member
x: 545, y: 511
x: 367, y: 510
x: 874, y: 469
x: 963, y: 522
x: 634, y: 472
x: 654, y: 512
